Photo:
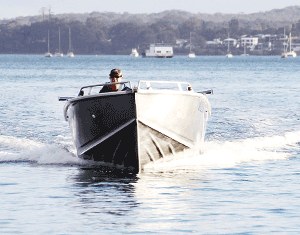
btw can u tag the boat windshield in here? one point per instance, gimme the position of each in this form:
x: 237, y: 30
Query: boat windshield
x: 164, y: 85
x: 95, y: 89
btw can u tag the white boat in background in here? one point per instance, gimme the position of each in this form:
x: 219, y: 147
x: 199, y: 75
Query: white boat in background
x: 134, y: 53
x: 191, y: 54
x: 70, y: 52
x: 159, y: 50
x: 290, y: 53
x: 155, y: 121
x: 48, y: 54
x: 58, y: 53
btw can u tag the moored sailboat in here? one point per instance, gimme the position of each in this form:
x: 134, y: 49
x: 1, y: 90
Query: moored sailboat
x: 228, y: 55
x: 290, y: 53
x: 59, y: 53
x: 245, y: 54
x: 191, y: 54
x: 70, y: 52
x: 48, y: 54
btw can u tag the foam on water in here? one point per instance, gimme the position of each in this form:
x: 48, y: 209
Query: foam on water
x: 27, y: 150
x: 215, y: 153
x: 230, y: 153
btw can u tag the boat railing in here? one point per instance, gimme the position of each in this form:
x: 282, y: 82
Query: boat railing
x: 169, y: 85
x: 92, y: 87
x: 164, y: 85
x: 143, y: 85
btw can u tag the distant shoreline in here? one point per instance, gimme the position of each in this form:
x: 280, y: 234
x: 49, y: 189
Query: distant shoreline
x: 124, y: 55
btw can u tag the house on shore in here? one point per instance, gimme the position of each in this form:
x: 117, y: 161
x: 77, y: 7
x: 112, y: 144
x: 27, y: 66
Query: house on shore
x: 231, y: 41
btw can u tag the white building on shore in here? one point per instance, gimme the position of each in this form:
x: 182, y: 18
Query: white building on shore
x: 249, y: 41
x: 231, y: 41
x: 159, y: 50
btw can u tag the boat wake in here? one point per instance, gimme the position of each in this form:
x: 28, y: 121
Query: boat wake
x: 215, y: 153
x: 230, y: 153
x: 14, y: 149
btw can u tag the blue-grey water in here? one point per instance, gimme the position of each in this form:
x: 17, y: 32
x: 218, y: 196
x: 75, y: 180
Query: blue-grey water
x: 246, y: 181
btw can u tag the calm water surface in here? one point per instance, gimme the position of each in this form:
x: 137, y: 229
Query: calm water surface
x: 246, y: 181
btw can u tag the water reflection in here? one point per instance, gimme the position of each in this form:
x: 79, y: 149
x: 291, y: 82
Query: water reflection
x: 99, y: 193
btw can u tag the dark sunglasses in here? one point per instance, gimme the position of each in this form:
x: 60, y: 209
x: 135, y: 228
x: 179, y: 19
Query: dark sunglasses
x: 116, y: 76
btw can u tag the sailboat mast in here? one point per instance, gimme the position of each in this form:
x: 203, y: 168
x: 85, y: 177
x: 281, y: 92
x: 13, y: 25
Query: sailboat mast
x: 284, y: 49
x: 70, y: 39
x: 59, y: 39
x: 190, y: 42
x: 290, y: 42
x: 228, y: 42
x: 48, y: 43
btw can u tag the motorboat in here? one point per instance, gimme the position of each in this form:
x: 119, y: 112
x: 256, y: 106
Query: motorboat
x: 134, y: 53
x: 152, y: 122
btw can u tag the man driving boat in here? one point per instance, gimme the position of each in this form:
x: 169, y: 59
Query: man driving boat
x: 115, y: 75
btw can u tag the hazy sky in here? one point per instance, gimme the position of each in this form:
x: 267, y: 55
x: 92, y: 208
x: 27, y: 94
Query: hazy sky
x: 13, y: 8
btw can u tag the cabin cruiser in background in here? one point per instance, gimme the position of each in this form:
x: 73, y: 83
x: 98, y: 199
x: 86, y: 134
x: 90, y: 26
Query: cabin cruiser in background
x: 58, y: 53
x: 290, y: 53
x: 70, y: 52
x: 134, y: 53
x: 155, y: 121
x: 159, y: 50
x: 48, y: 54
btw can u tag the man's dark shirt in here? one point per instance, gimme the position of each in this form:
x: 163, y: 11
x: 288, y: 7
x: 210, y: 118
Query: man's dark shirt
x: 108, y: 89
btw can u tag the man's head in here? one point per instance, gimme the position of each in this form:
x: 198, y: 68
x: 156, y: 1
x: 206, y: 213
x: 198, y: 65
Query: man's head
x: 116, y: 75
